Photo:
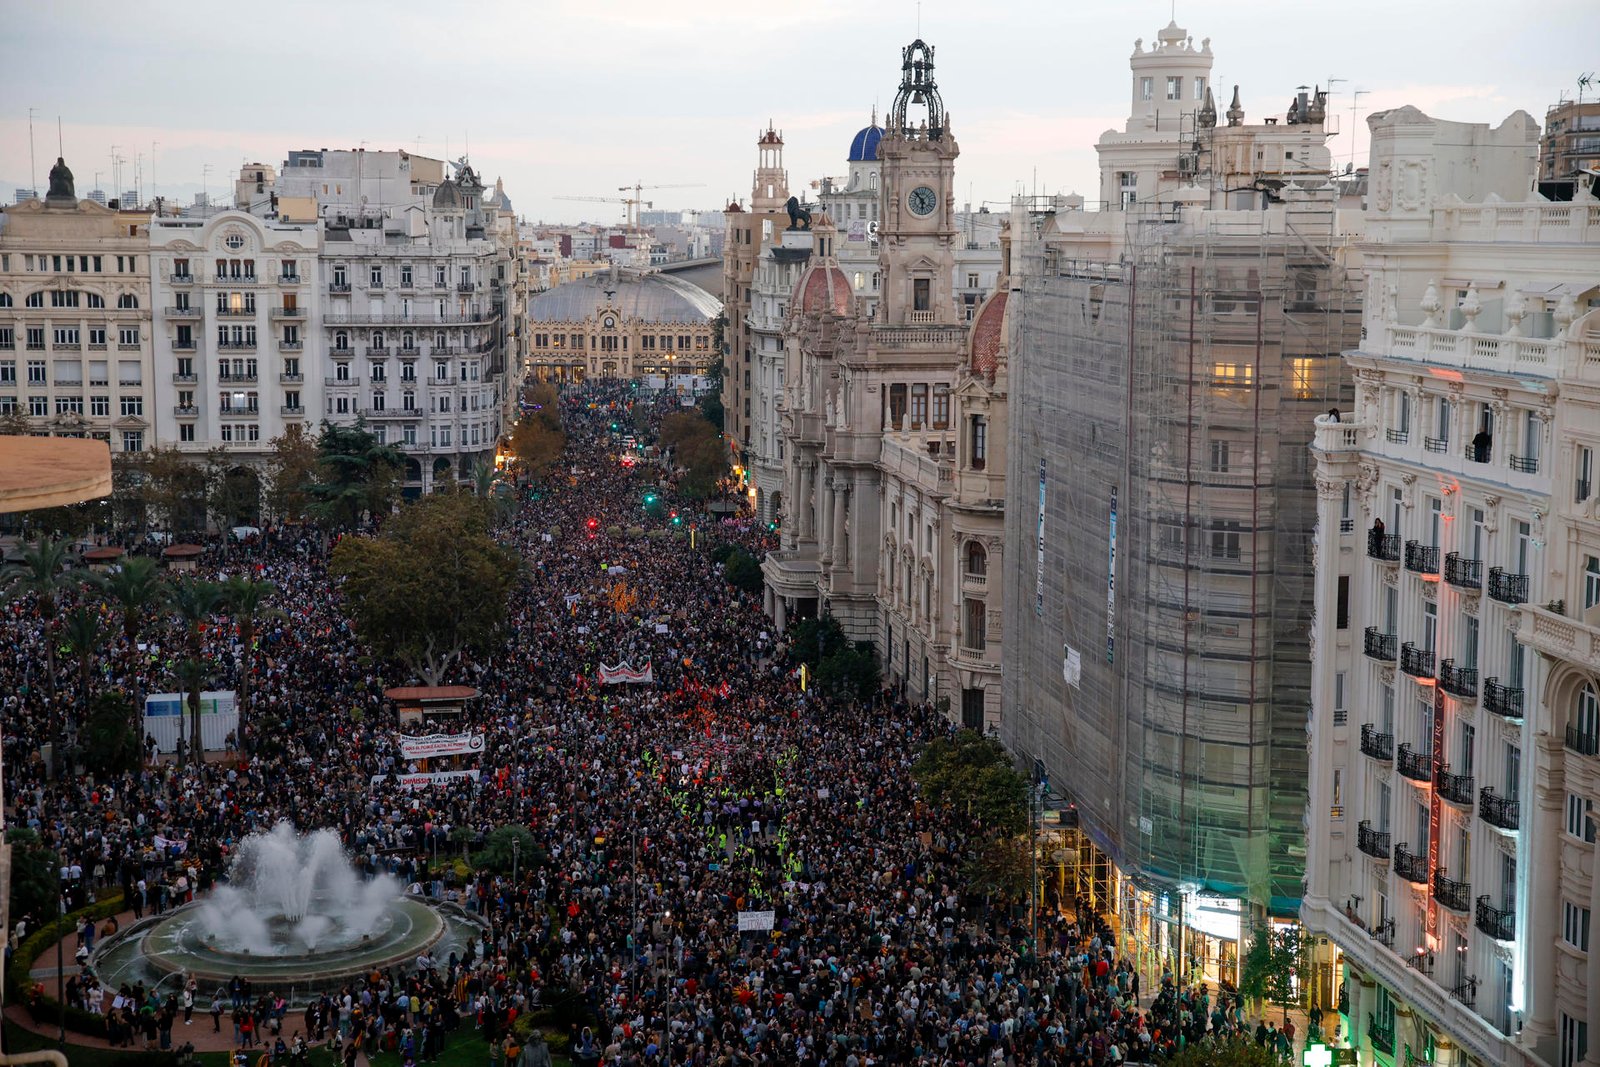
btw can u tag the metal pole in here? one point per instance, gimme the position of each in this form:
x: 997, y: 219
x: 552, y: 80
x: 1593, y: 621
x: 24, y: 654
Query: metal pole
x: 1033, y: 855
x: 633, y: 930
x: 61, y: 977
x: 516, y: 857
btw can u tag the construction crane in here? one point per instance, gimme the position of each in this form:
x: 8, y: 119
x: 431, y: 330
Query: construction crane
x: 607, y: 200
x: 638, y: 188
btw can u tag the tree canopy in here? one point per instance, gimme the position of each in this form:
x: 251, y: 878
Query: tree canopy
x: 355, y: 474
x: 433, y: 585
x: 1267, y: 971
x: 537, y: 440
x: 698, y: 448
x: 291, y: 469
x: 974, y: 773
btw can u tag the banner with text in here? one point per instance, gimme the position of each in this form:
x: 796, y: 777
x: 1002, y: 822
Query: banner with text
x: 624, y: 674
x: 419, y: 781
x: 441, y: 745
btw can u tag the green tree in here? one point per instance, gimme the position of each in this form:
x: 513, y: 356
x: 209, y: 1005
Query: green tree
x: 508, y: 846
x: 244, y: 599
x: 83, y: 633
x: 15, y: 423
x: 42, y: 574
x: 34, y: 876
x: 233, y: 493
x: 1001, y: 867
x: 192, y: 675
x: 849, y: 674
x: 698, y: 448
x: 1271, y: 965
x: 743, y: 571
x: 711, y: 408
x: 813, y: 640
x: 194, y: 602
x: 973, y: 773
x: 137, y: 588
x: 355, y: 475
x: 291, y: 467
x: 173, y: 488
x: 111, y: 743
x: 432, y: 586
x: 1229, y: 1052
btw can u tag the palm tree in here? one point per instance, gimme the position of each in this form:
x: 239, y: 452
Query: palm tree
x: 137, y: 587
x: 192, y: 675
x: 244, y: 598
x: 42, y: 574
x: 194, y: 602
x: 82, y: 633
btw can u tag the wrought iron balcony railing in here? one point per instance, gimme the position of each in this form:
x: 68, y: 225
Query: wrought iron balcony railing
x: 1378, y: 644
x: 1496, y: 810
x: 1503, y: 700
x: 1463, y: 573
x: 1457, y: 896
x: 1506, y: 587
x: 1583, y: 742
x: 1383, y: 547
x: 1374, y: 843
x: 1458, y: 681
x: 1497, y: 923
x: 1418, y: 766
x: 1417, y: 662
x: 1456, y: 788
x: 1421, y: 558
x: 1382, y: 1035
x: 1378, y: 746
x: 1411, y: 867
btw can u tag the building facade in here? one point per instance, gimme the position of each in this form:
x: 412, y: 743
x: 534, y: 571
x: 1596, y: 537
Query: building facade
x: 771, y: 289
x: 1571, y: 142
x: 1170, y: 352
x: 75, y: 318
x: 890, y: 489
x: 1457, y: 634
x: 621, y: 323
x: 749, y: 234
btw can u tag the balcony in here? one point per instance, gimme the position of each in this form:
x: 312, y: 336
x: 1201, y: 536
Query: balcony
x: 409, y: 351
x: 1457, y: 896
x: 237, y: 346
x: 291, y: 379
x: 183, y: 344
x: 342, y: 382
x: 1503, y: 700
x: 1463, y: 573
x: 290, y: 346
x: 1397, y: 437
x: 1456, y: 788
x: 1378, y: 746
x: 250, y: 410
x: 1383, y: 933
x: 338, y: 287
x: 466, y: 287
x: 288, y: 313
x: 1378, y: 645
x: 1525, y: 464
x: 1583, y: 742
x: 181, y: 279
x: 183, y: 313
x: 1436, y: 444
x: 1383, y: 547
x: 183, y: 379
x: 186, y: 411
x: 1458, y: 681
x: 292, y: 411
x: 1374, y: 843
x: 1480, y: 453
x: 237, y: 313
x: 238, y: 376
x: 235, y: 279
x: 1382, y: 1036
x: 1421, y: 558
x: 1508, y: 588
x: 1411, y: 867
x: 1496, y: 810
x: 1417, y: 766
x: 289, y: 279
x: 1417, y: 662
x: 1498, y: 924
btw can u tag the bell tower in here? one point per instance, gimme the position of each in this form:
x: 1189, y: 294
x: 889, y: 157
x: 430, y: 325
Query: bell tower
x: 770, y: 188
x: 917, y: 227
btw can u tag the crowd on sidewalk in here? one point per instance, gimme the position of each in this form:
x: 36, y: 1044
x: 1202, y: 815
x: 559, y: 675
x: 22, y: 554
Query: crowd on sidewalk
x: 659, y: 813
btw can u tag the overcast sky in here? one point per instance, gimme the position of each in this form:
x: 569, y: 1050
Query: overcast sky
x: 580, y: 98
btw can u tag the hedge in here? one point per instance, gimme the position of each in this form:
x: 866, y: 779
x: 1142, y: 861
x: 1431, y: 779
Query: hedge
x: 18, y: 982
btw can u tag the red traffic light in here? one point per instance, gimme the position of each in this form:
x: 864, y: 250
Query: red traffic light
x: 593, y: 524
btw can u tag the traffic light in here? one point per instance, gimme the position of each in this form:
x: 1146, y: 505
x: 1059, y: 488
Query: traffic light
x: 649, y: 500
x: 593, y: 525
x: 613, y: 427
x: 675, y: 520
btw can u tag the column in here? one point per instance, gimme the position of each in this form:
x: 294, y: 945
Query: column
x: 1591, y: 1058
x: 1362, y: 997
x: 825, y: 516
x: 1544, y: 837
x: 802, y: 500
x: 766, y: 601
x: 838, y: 512
x: 780, y: 614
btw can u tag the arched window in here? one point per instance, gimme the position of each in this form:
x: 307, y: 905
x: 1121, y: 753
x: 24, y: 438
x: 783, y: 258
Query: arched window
x: 35, y: 300
x: 408, y: 340
x: 341, y: 340
x: 95, y: 300
x: 1583, y: 732
x: 977, y: 559
x: 127, y: 302
x: 377, y: 338
x: 5, y: 300
x: 872, y: 181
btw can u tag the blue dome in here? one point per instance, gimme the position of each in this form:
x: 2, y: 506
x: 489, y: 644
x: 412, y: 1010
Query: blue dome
x: 864, y: 148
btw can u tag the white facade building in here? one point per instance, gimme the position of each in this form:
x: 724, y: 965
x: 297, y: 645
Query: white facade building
x: 232, y: 364
x: 1455, y: 725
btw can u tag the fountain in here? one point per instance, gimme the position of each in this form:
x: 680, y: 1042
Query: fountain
x: 294, y: 918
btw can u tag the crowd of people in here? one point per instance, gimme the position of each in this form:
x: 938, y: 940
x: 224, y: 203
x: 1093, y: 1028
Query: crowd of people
x: 659, y: 813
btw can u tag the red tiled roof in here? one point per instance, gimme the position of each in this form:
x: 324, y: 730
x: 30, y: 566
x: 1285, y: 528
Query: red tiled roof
x: 989, y: 335
x: 825, y: 288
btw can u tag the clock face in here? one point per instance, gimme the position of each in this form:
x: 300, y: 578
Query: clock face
x: 922, y: 200
x: 610, y: 322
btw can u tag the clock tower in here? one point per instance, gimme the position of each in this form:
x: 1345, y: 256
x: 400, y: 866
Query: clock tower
x: 917, y: 225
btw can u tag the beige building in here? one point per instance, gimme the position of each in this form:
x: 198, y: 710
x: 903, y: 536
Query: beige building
x: 1571, y: 141
x: 75, y: 317
x: 891, y: 506
x: 620, y: 324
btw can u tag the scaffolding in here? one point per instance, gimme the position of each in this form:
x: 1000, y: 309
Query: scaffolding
x: 1176, y: 386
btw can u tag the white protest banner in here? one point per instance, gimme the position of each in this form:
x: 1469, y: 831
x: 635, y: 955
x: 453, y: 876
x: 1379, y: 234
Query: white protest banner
x: 756, y: 920
x: 441, y: 745
x: 624, y: 674
x: 417, y: 781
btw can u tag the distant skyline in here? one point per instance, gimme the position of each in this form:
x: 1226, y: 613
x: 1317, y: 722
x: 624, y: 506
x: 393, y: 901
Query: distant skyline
x: 582, y: 99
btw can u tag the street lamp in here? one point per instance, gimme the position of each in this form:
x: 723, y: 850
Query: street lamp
x: 61, y: 970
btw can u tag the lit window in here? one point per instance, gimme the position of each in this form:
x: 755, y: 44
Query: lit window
x: 1232, y: 375
x: 1300, y: 377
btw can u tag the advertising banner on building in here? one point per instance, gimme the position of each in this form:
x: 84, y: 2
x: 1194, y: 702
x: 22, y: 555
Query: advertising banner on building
x: 166, y: 718
x: 441, y: 745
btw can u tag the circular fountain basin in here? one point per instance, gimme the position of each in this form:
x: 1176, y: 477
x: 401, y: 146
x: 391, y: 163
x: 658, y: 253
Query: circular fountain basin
x: 167, y: 951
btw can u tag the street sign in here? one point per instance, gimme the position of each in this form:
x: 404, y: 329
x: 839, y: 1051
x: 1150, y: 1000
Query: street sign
x: 1317, y: 1056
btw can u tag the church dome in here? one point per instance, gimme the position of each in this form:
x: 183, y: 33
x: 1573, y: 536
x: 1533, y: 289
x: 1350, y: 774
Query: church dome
x: 824, y: 288
x: 988, y: 336
x: 864, y: 146
x: 448, y: 196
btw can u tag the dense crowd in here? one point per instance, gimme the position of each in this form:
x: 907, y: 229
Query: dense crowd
x: 659, y: 812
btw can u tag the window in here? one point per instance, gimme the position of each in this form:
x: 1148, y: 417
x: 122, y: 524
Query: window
x: 1199, y: 88
x: 1147, y: 88
x: 980, y: 442
x: 1219, y: 457
x: 376, y: 277
x: 35, y: 300
x: 1579, y: 824
x: 132, y: 405
x: 1225, y: 535
x: 1575, y: 925
x: 8, y: 372
x: 1584, y: 468
x: 1174, y: 87
x: 920, y: 294
x: 975, y: 636
x: 35, y: 372
x: 441, y: 371
x: 36, y: 337
x: 341, y: 275
x: 127, y: 302
x: 977, y: 559
x: 1232, y: 375
x: 405, y: 276
x: 8, y: 337
x: 1301, y: 378
x: 128, y: 335
x: 1343, y: 612
x: 69, y: 405
x: 919, y: 407
x: 186, y: 431
x: 1574, y: 1040
x: 941, y: 407
x: 133, y: 440
x: 1591, y: 582
x: 38, y: 407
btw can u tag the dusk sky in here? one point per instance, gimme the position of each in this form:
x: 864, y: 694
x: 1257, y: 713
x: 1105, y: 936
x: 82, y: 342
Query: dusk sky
x: 580, y: 98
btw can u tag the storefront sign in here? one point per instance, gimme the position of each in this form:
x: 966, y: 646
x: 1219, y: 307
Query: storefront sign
x: 440, y: 745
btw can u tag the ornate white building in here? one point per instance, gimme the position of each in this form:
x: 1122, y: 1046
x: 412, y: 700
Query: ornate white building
x: 75, y: 344
x: 891, y: 506
x: 1455, y: 726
